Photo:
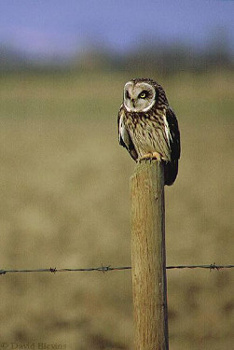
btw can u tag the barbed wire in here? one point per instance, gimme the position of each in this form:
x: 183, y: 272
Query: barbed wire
x: 110, y: 268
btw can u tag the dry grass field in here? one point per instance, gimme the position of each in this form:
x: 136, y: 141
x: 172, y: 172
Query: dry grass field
x: 65, y: 204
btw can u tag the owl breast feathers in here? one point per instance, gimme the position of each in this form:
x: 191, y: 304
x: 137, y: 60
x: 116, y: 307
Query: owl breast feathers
x: 147, y: 126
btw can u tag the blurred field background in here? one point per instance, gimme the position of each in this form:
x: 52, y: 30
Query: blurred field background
x: 65, y: 196
x: 65, y: 203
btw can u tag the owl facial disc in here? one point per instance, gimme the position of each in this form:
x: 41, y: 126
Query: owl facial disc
x: 139, y: 97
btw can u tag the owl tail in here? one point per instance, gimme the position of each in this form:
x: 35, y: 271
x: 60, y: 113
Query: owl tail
x: 170, y: 172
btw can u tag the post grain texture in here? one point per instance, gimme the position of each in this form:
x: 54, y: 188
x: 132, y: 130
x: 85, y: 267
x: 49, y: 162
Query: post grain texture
x: 149, y: 257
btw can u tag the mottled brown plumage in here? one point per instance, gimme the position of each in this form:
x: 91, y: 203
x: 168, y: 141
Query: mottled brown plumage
x: 148, y: 127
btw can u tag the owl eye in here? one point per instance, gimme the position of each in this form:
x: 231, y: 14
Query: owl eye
x: 143, y: 94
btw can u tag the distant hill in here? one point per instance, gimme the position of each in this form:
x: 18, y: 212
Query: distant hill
x: 164, y: 58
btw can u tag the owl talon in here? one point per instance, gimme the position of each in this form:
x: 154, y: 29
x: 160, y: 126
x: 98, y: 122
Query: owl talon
x: 150, y: 157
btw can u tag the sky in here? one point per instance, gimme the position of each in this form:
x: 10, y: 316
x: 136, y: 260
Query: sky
x: 64, y: 27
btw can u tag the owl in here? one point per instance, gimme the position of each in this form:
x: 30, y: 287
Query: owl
x: 147, y: 126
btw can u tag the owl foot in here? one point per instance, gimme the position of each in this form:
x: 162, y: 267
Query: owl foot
x: 150, y: 157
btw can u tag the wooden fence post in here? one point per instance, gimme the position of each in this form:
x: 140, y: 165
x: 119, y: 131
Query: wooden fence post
x: 149, y: 257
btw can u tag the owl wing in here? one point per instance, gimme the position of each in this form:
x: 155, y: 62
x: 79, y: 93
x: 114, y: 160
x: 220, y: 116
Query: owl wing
x: 171, y: 168
x: 124, y: 136
x: 174, y: 135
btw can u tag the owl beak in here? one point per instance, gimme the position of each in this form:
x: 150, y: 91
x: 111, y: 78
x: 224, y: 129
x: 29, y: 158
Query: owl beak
x: 133, y: 103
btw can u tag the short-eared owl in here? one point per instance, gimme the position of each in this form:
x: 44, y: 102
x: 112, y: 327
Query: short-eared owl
x: 148, y: 127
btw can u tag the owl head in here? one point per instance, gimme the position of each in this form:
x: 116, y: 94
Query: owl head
x: 139, y: 95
